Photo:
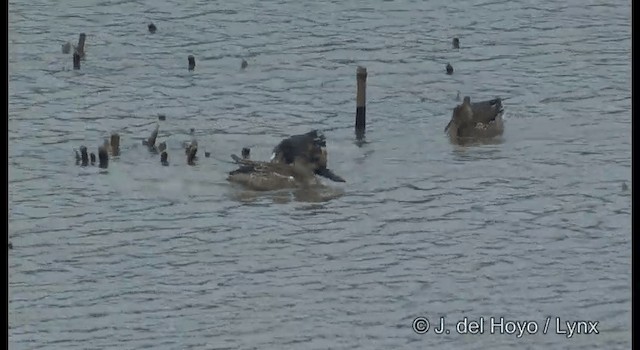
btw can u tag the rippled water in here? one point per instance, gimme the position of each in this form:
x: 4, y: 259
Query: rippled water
x: 145, y: 256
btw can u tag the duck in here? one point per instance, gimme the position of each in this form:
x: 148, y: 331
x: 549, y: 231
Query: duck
x: 479, y: 120
x: 295, y: 162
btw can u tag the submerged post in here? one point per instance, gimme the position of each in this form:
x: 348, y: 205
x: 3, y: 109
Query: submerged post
x: 361, y: 96
x: 84, y: 156
x: 103, y: 157
x: 164, y: 158
x: 192, y: 62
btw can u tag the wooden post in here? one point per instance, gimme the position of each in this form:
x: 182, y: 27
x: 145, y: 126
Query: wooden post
x: 80, y: 48
x: 456, y: 43
x: 76, y: 60
x: 164, y: 158
x: 103, y: 157
x: 361, y: 97
x: 115, y: 144
x: 84, y: 156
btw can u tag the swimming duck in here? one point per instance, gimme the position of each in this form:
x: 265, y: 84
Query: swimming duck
x: 295, y: 162
x: 476, y: 120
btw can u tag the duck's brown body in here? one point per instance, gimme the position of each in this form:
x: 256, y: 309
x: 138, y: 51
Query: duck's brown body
x: 268, y: 176
x: 295, y: 162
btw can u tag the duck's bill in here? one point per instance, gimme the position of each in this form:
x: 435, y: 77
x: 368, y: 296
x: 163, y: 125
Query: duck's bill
x: 329, y: 175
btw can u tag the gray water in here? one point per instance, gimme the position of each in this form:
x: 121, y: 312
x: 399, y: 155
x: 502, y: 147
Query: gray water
x: 145, y: 256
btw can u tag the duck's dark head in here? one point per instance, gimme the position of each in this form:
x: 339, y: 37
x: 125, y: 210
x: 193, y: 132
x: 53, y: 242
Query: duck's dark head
x: 488, y: 110
x: 323, y: 171
x: 496, y: 104
x: 310, y: 149
x: 299, y: 145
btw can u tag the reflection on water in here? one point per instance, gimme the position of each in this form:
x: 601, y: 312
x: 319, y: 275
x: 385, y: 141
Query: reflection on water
x: 314, y: 194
